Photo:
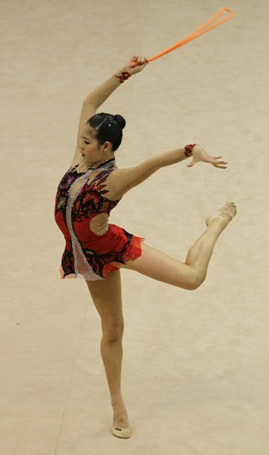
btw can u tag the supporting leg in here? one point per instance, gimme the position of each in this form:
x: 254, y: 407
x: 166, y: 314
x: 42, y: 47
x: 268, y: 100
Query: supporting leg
x: 106, y: 296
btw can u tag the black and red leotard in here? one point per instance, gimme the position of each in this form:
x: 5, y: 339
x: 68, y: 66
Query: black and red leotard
x: 88, y: 253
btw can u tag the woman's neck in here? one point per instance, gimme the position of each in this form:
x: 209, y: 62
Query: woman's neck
x: 84, y: 167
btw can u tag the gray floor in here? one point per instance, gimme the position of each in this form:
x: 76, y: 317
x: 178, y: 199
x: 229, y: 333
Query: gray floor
x: 196, y: 363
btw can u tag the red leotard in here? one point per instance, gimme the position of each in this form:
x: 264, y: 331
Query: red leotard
x: 88, y: 254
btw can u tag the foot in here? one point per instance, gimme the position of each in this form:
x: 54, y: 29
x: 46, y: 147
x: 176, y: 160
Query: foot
x: 224, y: 215
x: 121, y: 427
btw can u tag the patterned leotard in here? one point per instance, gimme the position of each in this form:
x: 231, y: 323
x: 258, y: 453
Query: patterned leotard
x: 89, y: 253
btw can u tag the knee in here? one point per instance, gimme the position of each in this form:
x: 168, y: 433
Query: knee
x: 196, y: 279
x: 112, y: 333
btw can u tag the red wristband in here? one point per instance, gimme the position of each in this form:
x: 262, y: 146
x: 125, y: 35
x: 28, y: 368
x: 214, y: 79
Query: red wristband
x: 188, y: 149
x: 123, y: 77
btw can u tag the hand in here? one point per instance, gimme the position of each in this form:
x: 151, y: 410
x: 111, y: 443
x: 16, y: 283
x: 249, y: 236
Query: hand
x: 135, y: 65
x: 199, y: 154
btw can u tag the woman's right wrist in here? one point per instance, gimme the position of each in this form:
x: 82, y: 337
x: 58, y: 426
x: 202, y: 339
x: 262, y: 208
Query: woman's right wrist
x: 188, y: 149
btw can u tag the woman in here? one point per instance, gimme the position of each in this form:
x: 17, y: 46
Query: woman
x: 96, y: 250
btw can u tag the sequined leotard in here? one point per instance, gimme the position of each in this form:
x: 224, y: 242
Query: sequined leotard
x: 89, y: 253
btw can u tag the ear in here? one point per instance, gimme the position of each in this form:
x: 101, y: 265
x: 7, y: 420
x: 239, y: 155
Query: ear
x: 107, y: 146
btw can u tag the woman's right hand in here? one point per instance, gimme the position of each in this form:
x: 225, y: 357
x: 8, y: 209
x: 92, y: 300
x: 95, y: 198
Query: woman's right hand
x: 199, y: 154
x: 135, y: 65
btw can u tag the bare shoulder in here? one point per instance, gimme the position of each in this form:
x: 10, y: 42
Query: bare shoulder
x: 118, y: 174
x: 113, y: 182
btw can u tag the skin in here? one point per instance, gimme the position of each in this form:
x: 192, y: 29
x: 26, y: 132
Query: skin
x: 189, y: 274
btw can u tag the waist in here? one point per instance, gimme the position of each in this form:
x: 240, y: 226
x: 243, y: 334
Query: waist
x: 90, y: 229
x: 114, y: 236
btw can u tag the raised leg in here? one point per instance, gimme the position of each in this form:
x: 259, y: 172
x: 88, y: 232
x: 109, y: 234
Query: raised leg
x: 191, y: 273
x: 107, y: 298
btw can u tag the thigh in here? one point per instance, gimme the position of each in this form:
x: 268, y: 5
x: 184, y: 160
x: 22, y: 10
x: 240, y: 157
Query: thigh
x: 106, y: 295
x: 159, y: 266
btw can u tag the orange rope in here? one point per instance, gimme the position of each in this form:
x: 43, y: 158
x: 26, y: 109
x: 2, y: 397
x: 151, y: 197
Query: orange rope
x: 199, y: 32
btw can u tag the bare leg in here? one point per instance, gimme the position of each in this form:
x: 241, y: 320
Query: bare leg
x: 191, y: 274
x: 200, y: 253
x: 106, y: 296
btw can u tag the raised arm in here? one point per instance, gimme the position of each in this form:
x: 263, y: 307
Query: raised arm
x: 98, y: 96
x: 122, y: 180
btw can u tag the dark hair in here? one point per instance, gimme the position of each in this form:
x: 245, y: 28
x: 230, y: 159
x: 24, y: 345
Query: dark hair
x: 108, y: 127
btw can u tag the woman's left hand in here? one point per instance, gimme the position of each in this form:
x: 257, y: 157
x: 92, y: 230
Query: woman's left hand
x: 199, y: 154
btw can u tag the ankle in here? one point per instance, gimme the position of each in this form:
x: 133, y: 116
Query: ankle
x: 116, y: 398
x: 118, y: 405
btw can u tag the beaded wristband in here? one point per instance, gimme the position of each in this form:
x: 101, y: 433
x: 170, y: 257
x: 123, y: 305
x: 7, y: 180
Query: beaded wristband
x: 188, y: 149
x: 123, y: 77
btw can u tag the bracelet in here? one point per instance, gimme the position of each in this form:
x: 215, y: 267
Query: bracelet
x: 188, y: 149
x: 123, y: 77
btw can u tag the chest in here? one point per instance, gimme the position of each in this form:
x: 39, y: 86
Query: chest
x: 88, y: 183
x: 90, y: 186
x: 85, y: 192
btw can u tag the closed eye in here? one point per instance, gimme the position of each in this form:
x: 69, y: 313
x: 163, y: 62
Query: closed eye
x: 85, y: 141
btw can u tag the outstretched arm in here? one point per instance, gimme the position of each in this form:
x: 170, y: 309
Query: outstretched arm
x: 122, y: 180
x: 98, y: 96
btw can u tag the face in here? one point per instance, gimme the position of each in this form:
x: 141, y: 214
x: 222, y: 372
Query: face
x: 91, y: 151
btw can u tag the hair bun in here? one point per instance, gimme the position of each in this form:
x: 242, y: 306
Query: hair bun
x: 119, y: 120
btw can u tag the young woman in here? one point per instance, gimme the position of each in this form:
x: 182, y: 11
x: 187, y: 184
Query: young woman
x: 96, y: 250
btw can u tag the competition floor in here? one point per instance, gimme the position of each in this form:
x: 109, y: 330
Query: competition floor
x: 195, y: 376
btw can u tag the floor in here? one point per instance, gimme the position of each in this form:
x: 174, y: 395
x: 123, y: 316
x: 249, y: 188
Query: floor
x: 196, y: 376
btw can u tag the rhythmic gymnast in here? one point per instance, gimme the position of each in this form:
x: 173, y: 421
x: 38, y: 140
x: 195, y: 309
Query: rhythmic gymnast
x: 96, y: 250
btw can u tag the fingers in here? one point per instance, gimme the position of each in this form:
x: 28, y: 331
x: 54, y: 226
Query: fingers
x: 219, y: 164
x: 213, y: 161
x: 201, y: 155
x: 138, y: 61
x: 192, y: 163
x: 134, y: 61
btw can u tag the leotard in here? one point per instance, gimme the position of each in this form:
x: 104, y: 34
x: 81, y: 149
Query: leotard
x: 93, y: 246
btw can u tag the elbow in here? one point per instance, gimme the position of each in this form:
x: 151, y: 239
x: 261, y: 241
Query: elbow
x: 89, y: 104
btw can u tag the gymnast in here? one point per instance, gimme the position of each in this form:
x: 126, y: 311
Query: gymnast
x: 96, y: 250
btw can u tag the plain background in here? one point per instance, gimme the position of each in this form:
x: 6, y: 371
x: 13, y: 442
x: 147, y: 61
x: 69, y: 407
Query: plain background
x: 196, y: 363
